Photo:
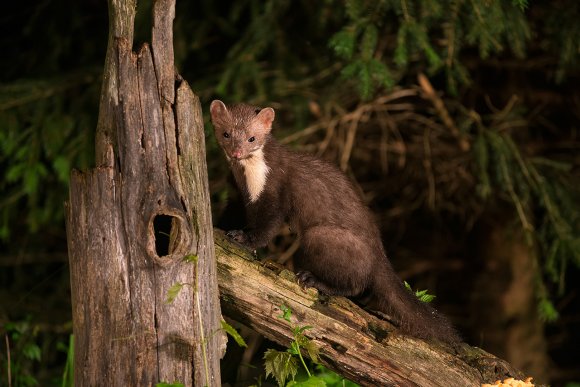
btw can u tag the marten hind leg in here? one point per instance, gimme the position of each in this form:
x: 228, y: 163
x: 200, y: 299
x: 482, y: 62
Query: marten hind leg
x: 308, y: 280
x: 334, y: 260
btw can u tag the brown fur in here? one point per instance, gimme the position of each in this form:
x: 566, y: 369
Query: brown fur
x: 341, y: 251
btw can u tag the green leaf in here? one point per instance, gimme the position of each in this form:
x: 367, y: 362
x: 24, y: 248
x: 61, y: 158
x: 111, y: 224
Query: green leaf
x: 62, y: 167
x: 522, y: 4
x: 343, y: 43
x: 286, y: 313
x: 27, y: 380
x: 433, y: 58
x: 365, y: 85
x: 369, y: 42
x: 68, y: 373
x: 547, y: 311
x: 299, y: 330
x: 401, y: 53
x: 312, y: 349
x: 312, y: 381
x: 280, y: 365
x: 294, y: 348
x: 32, y: 176
x: 191, y: 258
x: 422, y: 295
x: 381, y: 73
x: 350, y: 70
x: 230, y: 330
x: 173, y: 292
x: 165, y: 384
x: 353, y: 8
x: 15, y: 172
x: 31, y: 351
x: 332, y: 379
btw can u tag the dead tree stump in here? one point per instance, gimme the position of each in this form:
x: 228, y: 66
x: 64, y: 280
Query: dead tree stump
x: 132, y: 221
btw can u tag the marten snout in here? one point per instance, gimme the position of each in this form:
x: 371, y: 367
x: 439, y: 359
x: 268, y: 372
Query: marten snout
x: 236, y: 154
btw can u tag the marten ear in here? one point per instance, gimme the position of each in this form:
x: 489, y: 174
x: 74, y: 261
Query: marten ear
x: 264, y: 120
x: 218, y: 110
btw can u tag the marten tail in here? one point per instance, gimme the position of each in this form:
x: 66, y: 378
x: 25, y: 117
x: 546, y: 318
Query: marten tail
x: 415, y: 317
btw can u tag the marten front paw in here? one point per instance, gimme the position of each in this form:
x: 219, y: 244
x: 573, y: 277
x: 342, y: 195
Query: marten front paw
x: 306, y: 279
x: 237, y: 235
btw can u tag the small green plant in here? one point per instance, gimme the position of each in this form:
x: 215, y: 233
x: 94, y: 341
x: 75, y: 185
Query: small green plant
x: 332, y: 379
x: 283, y: 365
x: 421, y: 294
x: 230, y: 330
x: 174, y: 384
x: 22, y: 352
x: 68, y: 373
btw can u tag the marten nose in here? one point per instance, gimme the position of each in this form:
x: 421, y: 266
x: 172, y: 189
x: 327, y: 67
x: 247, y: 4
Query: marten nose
x: 236, y: 154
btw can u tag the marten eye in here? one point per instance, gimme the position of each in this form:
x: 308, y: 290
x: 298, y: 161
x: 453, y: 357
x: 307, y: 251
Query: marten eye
x: 251, y: 139
x: 226, y: 135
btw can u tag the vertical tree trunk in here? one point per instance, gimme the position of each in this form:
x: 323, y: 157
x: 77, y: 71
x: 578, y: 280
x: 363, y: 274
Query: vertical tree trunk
x: 504, y: 305
x: 133, y: 220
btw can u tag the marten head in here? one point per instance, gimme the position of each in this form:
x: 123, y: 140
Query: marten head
x: 241, y: 129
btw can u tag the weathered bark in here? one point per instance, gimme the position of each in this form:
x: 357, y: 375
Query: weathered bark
x: 121, y: 26
x: 152, y: 168
x: 352, y: 342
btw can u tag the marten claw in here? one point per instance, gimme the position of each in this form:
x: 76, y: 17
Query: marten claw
x: 305, y: 279
x: 237, y: 235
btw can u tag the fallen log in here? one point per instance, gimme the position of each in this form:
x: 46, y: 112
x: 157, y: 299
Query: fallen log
x: 352, y: 342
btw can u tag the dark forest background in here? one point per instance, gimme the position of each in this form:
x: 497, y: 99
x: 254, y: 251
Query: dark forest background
x: 458, y: 121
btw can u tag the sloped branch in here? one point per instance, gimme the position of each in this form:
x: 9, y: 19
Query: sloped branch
x: 352, y: 342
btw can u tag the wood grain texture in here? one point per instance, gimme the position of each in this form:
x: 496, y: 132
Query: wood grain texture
x: 121, y: 26
x: 352, y: 342
x: 153, y: 165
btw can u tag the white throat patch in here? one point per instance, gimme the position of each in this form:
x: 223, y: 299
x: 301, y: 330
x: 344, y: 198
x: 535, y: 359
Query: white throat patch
x: 256, y: 172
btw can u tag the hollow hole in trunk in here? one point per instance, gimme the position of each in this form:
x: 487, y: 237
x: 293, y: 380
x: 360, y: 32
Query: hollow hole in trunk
x: 162, y: 225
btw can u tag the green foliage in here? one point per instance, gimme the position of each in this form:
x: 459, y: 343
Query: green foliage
x: 234, y: 334
x: 280, y: 365
x: 68, y: 373
x: 252, y: 51
x: 312, y: 381
x: 420, y: 39
x: 176, y: 288
x: 286, y: 313
x: 562, y: 24
x: 283, y: 365
x: 332, y: 379
x: 173, y: 292
x: 165, y: 384
x: 546, y: 309
x: 542, y: 201
x: 24, y: 352
x: 420, y: 294
x: 191, y: 258
x: 523, y: 4
x: 49, y: 95
x: 41, y: 140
